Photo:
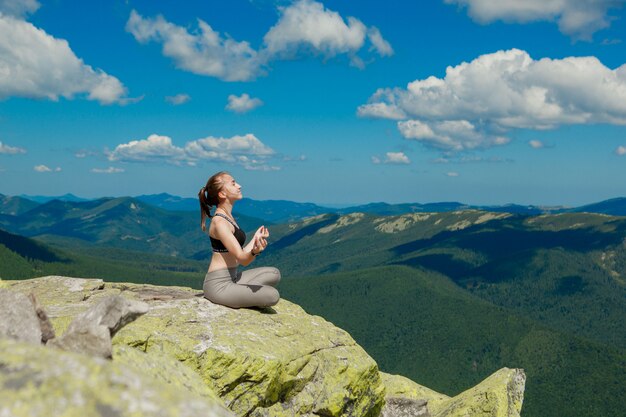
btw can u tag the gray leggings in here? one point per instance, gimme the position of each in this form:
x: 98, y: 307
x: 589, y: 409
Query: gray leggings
x: 250, y: 288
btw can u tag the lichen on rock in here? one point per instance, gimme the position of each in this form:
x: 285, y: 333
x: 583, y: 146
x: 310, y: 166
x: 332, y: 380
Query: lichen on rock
x: 272, y: 362
x: 499, y: 395
x: 43, y: 381
x: 188, y: 352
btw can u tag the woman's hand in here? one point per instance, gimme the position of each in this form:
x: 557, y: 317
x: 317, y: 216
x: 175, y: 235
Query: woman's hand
x: 260, y: 240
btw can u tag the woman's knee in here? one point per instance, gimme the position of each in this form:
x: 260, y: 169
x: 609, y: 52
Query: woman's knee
x: 271, y: 297
x: 275, y: 274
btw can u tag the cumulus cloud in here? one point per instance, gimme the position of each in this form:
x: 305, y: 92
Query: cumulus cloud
x: 620, y: 150
x: 34, y: 64
x: 305, y: 26
x: 452, y: 174
x: 394, y: 158
x: 537, y: 144
x: 18, y: 8
x: 10, y: 150
x: 579, y: 19
x: 243, y: 103
x: 45, y: 168
x: 308, y: 25
x: 154, y: 148
x: 477, y: 103
x: 109, y: 170
x: 450, y: 135
x: 178, y: 99
x: 206, y: 52
x: 247, y: 151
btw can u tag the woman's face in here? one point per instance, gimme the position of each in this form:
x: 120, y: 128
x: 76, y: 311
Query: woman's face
x: 231, y: 189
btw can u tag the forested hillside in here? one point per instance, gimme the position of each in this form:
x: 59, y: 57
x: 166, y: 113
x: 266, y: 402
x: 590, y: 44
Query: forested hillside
x: 444, y: 298
x: 421, y: 325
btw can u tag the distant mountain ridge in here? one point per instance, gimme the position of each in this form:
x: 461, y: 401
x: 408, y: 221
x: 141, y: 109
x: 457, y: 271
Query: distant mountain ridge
x: 285, y: 211
x: 123, y: 222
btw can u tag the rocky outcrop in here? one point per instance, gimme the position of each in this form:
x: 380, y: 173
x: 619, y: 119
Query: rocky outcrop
x: 276, y: 361
x: 500, y: 395
x: 91, y: 331
x: 18, y: 318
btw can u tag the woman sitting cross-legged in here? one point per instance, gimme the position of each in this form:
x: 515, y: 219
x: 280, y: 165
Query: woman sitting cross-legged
x: 224, y: 283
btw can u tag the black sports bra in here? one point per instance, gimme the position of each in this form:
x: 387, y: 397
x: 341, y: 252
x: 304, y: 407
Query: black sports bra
x: 240, y: 235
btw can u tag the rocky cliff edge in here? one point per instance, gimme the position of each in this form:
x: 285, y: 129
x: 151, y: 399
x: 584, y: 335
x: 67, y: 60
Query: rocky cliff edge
x: 187, y: 356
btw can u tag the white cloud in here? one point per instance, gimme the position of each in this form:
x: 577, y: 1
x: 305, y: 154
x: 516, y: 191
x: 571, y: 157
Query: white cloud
x: 234, y: 149
x: 34, y: 64
x: 379, y: 44
x: 45, y: 168
x: 154, y: 148
x: 247, y: 151
x: 109, y: 170
x: 18, y: 8
x: 620, y: 150
x: 477, y: 103
x: 537, y: 144
x: 178, y: 99
x: 450, y: 135
x: 242, y: 104
x: 41, y: 168
x: 10, y: 150
x: 452, y: 174
x: 579, y: 19
x: 381, y: 110
x: 303, y: 26
x: 206, y: 52
x: 308, y: 24
x: 396, y: 158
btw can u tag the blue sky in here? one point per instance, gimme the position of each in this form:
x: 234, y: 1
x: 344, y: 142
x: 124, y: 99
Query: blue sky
x: 334, y: 102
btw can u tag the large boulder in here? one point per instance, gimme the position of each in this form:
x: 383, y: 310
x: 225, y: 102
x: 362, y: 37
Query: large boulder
x: 271, y: 362
x: 91, y: 331
x: 18, y: 318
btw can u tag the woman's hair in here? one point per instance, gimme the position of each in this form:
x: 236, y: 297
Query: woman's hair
x: 208, y: 196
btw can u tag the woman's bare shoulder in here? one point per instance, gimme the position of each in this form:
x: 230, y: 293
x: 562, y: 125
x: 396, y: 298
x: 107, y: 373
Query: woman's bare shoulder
x: 219, y: 224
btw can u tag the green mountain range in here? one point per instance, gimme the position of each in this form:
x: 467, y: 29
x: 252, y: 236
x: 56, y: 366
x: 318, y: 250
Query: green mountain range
x: 123, y: 223
x: 444, y: 298
x: 283, y: 211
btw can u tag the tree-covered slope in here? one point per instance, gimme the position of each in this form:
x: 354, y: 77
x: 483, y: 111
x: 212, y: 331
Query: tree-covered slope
x: 22, y: 258
x: 123, y: 223
x: 567, y: 271
x: 15, y: 205
x: 422, y: 325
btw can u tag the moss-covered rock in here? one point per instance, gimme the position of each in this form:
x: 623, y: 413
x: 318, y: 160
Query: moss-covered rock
x: 276, y: 362
x: 272, y: 362
x: 500, y: 395
x: 402, y: 387
x: 43, y: 381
